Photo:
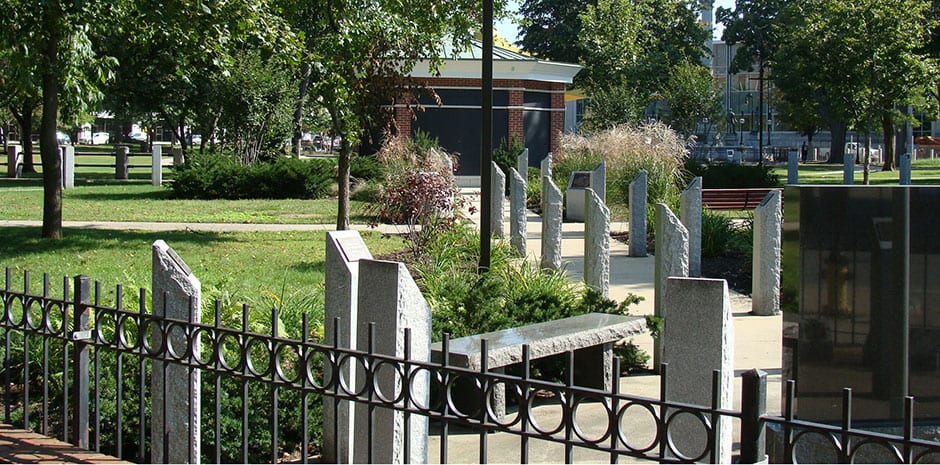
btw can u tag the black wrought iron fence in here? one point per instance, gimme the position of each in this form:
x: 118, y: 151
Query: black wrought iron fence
x: 78, y: 369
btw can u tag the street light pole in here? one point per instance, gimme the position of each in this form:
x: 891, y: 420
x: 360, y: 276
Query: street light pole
x: 486, y: 141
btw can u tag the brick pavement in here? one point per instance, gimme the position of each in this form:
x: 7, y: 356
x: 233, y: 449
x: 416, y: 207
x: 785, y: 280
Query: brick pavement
x: 21, y: 446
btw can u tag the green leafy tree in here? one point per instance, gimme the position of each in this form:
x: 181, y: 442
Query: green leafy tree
x: 861, y: 59
x: 692, y: 96
x: 55, y: 36
x: 550, y: 28
x: 363, y: 51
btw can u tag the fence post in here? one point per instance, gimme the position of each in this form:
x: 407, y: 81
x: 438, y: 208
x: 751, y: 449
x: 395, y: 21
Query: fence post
x: 80, y: 386
x: 753, y: 406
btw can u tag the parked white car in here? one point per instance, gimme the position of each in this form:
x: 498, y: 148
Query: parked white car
x: 100, y: 138
x: 138, y: 136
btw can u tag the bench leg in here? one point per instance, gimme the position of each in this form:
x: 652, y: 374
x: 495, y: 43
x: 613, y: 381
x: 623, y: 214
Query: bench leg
x: 594, y: 366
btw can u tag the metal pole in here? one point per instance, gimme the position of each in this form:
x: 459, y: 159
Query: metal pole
x: 486, y: 143
x: 760, y: 116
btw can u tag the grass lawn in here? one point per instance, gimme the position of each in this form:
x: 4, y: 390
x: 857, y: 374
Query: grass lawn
x: 263, y: 269
x: 922, y: 172
x: 139, y: 201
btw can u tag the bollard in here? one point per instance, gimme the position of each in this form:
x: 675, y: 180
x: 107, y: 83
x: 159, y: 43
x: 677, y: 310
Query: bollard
x: 753, y: 406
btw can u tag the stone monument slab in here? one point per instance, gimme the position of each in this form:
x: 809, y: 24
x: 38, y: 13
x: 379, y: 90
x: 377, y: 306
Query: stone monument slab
x: 517, y: 212
x: 596, y: 243
x: 691, y: 214
x: 497, y: 200
x: 552, y: 211
x: 765, y: 271
x: 671, y: 260
x: 638, y: 226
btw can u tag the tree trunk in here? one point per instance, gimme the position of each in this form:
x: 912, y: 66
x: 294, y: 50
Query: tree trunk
x: 887, y: 129
x: 48, y: 148
x: 342, y: 180
x: 24, y: 117
x: 837, y: 147
x: 299, y: 111
x: 866, y: 162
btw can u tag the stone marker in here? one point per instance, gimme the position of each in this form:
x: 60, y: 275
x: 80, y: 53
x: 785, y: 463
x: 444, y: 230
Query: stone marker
x: 517, y: 212
x: 698, y: 337
x: 793, y: 168
x: 768, y: 224
x: 13, y: 161
x: 578, y: 182
x: 497, y: 199
x: 691, y: 213
x: 68, y: 167
x: 156, y: 162
x: 848, y: 168
x: 638, y: 215
x: 121, y: 163
x: 552, y: 211
x: 393, y: 302
x: 177, y: 294
x: 596, y: 243
x: 671, y: 260
x: 904, y: 164
x: 522, y: 164
x: 344, y: 250
x: 545, y: 168
x: 599, y: 180
x: 178, y: 158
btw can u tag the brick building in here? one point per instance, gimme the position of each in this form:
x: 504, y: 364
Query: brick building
x: 528, y: 103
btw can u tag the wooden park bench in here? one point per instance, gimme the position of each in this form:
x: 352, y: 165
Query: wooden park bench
x: 590, y: 336
x: 734, y: 199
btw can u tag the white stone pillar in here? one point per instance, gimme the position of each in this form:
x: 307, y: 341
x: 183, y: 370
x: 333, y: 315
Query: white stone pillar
x: 552, y: 211
x: 522, y: 164
x: 638, y: 226
x: 393, y: 302
x: 691, y: 214
x: 546, y: 165
x: 517, y: 212
x: 344, y: 250
x: 765, y: 271
x: 175, y: 389
x: 699, y: 310
x: 904, y: 165
x: 156, y: 161
x: 596, y: 243
x: 68, y: 167
x: 848, y: 168
x: 497, y: 200
x: 671, y: 260
x: 793, y: 168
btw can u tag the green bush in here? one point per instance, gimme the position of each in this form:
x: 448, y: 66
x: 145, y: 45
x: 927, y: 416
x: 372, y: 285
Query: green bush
x: 216, y: 176
x: 365, y: 168
x: 720, y: 235
x: 731, y: 175
x: 506, y: 155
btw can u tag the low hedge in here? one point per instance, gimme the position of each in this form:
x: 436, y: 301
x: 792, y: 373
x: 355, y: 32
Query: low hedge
x: 220, y: 177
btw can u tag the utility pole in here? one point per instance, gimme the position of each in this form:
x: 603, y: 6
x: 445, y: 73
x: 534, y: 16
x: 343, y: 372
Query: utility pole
x: 486, y: 142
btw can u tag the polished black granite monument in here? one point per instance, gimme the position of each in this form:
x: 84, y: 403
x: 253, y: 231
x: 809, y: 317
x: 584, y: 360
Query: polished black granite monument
x: 859, y: 311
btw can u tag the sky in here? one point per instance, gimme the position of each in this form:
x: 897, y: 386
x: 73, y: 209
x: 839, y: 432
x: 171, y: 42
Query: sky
x: 509, y: 30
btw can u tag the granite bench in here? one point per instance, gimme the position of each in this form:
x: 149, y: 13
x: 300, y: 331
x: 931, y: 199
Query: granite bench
x: 591, y: 336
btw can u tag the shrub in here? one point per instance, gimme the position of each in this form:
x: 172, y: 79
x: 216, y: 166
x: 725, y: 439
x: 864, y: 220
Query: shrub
x: 506, y: 155
x: 720, y: 235
x: 216, y: 176
x: 627, y: 149
x: 365, y: 168
x: 730, y: 175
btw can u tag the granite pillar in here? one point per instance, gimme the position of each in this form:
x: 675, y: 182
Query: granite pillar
x: 671, y: 260
x: 552, y: 211
x: 522, y: 164
x: 793, y: 168
x: 698, y: 338
x: 599, y: 181
x: 14, y: 160
x: 344, y: 250
x: 174, y: 389
x: 497, y: 199
x: 691, y: 215
x: 638, y: 189
x: 517, y: 212
x: 156, y: 163
x: 848, y: 168
x: 596, y: 243
x: 904, y: 165
x: 393, y: 302
x: 68, y: 167
x: 765, y: 271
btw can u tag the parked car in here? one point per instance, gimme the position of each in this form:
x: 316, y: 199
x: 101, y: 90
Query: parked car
x: 195, y: 139
x: 138, y: 136
x: 62, y: 138
x: 100, y: 138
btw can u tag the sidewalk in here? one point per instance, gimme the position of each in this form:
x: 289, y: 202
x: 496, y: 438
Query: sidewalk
x: 20, y: 446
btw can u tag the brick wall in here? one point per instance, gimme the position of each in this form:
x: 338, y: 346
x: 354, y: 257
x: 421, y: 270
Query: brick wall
x: 516, y: 126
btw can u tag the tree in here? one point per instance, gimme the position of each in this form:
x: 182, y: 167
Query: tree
x: 861, y: 59
x: 692, y: 96
x: 549, y: 29
x: 361, y: 57
x: 69, y: 75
